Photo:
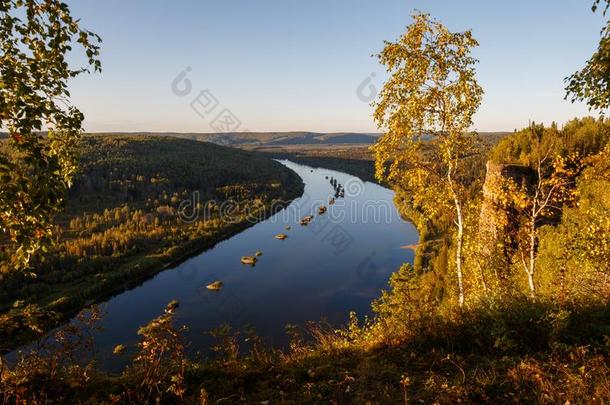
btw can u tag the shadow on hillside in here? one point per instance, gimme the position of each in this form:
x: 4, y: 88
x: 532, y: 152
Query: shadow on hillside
x: 531, y: 353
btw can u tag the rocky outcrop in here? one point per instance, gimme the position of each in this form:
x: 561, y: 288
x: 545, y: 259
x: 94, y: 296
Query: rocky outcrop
x: 494, y: 218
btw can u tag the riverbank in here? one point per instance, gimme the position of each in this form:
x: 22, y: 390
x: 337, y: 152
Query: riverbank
x: 338, y: 263
x: 356, y: 160
x: 413, y: 351
x: 112, y: 241
x: 66, y: 301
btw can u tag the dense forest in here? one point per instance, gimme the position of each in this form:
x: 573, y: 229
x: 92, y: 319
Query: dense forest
x: 139, y: 204
x: 507, y: 300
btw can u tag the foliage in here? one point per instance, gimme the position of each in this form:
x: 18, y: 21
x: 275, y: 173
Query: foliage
x: 501, y: 348
x: 538, y: 199
x: 592, y: 83
x: 37, y: 36
x: 577, y: 252
x: 521, y: 352
x: 584, y: 136
x: 56, y: 365
x: 158, y: 369
x: 547, y: 168
x: 403, y: 310
x: 545, y: 194
x: 431, y: 95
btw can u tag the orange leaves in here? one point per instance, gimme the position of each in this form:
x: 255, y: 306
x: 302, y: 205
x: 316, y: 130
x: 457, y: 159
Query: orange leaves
x: 16, y: 137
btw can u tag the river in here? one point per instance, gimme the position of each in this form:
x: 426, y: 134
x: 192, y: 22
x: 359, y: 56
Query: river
x: 339, y: 263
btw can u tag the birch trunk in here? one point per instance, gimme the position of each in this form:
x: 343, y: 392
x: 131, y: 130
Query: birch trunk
x: 458, y: 253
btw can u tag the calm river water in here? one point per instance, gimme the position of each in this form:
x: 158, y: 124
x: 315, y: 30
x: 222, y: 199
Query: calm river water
x: 338, y: 263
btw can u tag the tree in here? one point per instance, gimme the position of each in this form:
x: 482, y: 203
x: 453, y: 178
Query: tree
x: 539, y: 199
x: 577, y: 251
x: 36, y: 170
x: 592, y: 83
x: 425, y: 109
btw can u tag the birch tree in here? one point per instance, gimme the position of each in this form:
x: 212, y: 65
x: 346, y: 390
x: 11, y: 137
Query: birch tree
x: 425, y: 110
x: 538, y: 199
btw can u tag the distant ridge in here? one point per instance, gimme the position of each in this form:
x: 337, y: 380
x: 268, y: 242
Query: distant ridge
x: 257, y: 139
x: 252, y: 140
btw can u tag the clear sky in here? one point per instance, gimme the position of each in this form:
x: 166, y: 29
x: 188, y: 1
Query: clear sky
x: 287, y: 65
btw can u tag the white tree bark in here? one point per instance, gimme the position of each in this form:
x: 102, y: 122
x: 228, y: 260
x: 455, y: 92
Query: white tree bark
x: 459, y: 221
x: 458, y: 252
x: 532, y: 264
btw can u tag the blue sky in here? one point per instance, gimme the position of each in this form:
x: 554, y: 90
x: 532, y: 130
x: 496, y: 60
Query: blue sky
x: 297, y: 65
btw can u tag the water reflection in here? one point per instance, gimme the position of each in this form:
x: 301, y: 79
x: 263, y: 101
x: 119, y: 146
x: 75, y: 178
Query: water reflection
x: 336, y: 264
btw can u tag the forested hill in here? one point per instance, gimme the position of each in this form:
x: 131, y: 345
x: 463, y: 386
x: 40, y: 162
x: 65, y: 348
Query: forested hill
x: 133, y: 169
x: 124, y: 221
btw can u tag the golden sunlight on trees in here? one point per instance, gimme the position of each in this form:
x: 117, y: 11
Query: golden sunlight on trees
x: 551, y: 185
x: 426, y: 109
x: 507, y: 299
x: 533, y: 210
x: 576, y: 254
x: 36, y: 171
